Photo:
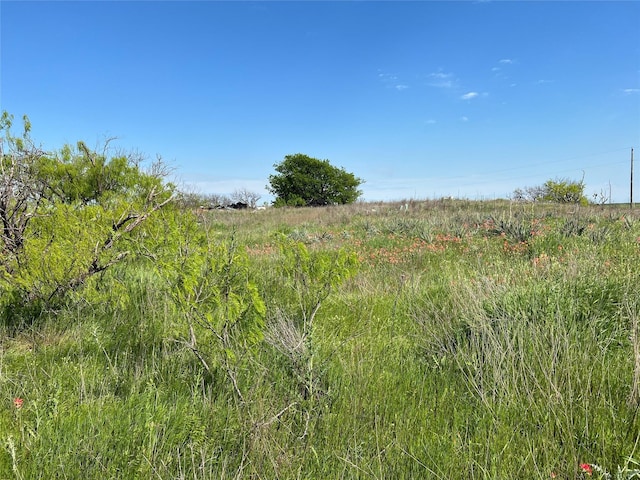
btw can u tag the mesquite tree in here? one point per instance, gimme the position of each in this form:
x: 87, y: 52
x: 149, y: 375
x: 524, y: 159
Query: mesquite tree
x: 68, y: 215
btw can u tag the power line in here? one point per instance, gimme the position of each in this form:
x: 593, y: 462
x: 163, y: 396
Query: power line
x: 568, y: 159
x: 525, y: 177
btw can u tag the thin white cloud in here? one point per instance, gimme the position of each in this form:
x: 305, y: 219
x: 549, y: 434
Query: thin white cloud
x: 469, y: 96
x: 387, y: 77
x: 391, y: 80
x: 630, y: 91
x: 431, y: 121
x: 500, y: 71
x: 441, y: 79
x: 440, y: 75
x: 464, y: 119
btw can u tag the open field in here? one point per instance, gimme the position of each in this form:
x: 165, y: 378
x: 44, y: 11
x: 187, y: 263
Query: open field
x: 440, y: 339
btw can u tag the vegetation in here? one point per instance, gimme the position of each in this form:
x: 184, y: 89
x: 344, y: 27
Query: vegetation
x: 305, y: 181
x: 557, y: 191
x: 67, y: 216
x: 214, y: 200
x: 452, y: 339
x: 460, y: 348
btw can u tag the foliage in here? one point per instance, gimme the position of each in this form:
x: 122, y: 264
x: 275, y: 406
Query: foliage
x: 312, y: 276
x: 564, y: 191
x: 68, y: 215
x: 477, y: 340
x: 305, y: 181
x: 222, y: 311
x: 558, y: 191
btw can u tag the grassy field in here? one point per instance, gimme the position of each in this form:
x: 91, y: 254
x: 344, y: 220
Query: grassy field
x: 438, y: 339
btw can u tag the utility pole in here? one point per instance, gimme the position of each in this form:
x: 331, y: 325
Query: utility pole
x: 631, y: 183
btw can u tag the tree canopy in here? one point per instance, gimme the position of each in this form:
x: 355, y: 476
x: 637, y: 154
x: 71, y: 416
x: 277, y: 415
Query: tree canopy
x: 305, y: 181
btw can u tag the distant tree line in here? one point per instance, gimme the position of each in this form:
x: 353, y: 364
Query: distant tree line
x: 215, y: 200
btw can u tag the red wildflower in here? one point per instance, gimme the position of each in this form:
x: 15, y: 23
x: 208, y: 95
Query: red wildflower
x: 586, y: 468
x: 17, y: 402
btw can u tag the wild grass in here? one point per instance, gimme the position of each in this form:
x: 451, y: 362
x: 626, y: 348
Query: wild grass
x: 477, y: 340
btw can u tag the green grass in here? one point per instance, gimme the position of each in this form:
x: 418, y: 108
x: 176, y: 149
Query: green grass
x: 477, y: 340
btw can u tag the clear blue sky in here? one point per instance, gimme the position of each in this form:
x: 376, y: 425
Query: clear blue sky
x: 421, y: 99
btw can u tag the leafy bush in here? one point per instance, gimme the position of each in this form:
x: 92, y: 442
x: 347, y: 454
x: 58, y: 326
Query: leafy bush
x: 557, y: 191
x: 68, y: 215
x: 564, y: 191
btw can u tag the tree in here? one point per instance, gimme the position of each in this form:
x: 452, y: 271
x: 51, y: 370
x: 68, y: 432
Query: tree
x: 529, y: 194
x: 564, y: 191
x: 558, y: 191
x: 245, y: 195
x: 68, y: 215
x: 307, y: 181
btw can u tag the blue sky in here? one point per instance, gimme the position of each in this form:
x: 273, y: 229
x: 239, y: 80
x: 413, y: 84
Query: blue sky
x: 421, y: 99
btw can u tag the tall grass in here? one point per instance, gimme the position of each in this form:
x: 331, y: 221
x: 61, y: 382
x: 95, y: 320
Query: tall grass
x: 478, y: 340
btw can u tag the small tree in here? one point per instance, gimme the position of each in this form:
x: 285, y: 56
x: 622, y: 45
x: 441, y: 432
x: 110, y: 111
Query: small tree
x: 307, y: 181
x: 223, y: 313
x: 68, y: 215
x: 564, y: 191
x: 558, y: 191
x: 529, y: 194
